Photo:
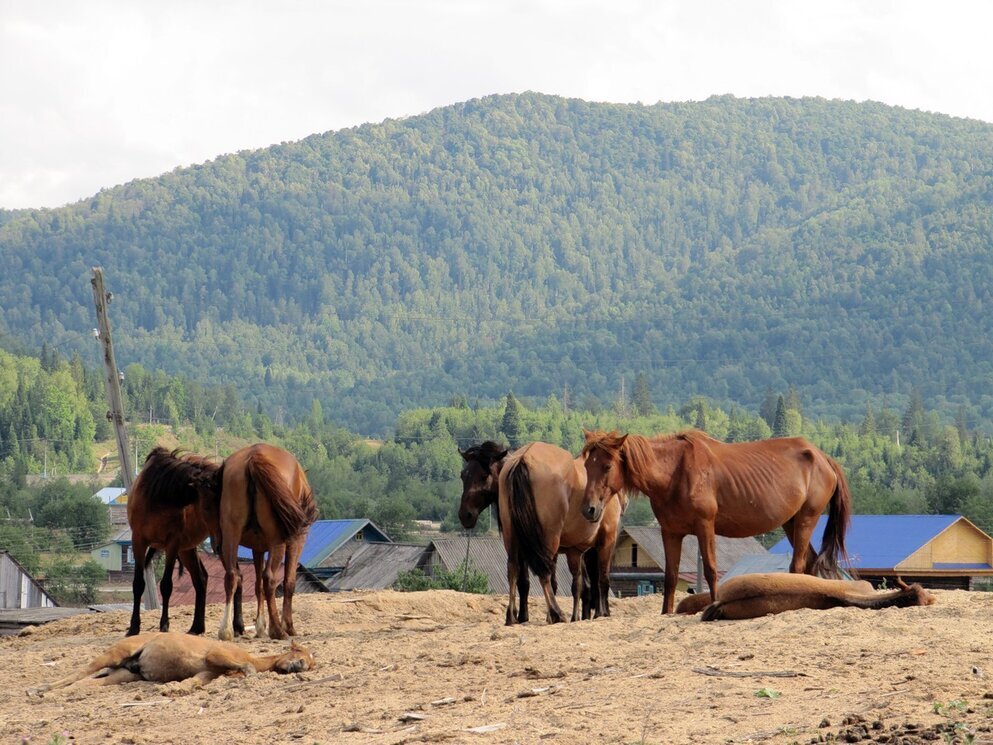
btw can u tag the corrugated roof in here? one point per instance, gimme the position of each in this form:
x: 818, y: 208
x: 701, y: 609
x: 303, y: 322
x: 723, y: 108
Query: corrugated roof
x: 729, y: 550
x: 375, y: 566
x: 487, y: 555
x: 325, y: 536
x: 110, y: 494
x: 763, y: 564
x: 184, y: 594
x: 881, y: 541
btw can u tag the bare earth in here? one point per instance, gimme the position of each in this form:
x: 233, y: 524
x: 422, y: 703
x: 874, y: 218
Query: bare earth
x: 448, y: 660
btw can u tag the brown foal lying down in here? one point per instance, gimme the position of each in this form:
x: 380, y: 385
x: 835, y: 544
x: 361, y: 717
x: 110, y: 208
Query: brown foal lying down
x: 695, y: 603
x: 754, y: 595
x: 164, y: 657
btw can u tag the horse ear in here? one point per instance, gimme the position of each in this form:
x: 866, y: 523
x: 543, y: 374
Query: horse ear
x: 503, y: 454
x: 622, y: 440
x: 587, y: 434
x: 463, y: 454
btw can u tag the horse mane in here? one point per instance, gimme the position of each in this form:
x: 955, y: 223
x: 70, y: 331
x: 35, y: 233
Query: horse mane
x: 486, y: 452
x: 172, y: 479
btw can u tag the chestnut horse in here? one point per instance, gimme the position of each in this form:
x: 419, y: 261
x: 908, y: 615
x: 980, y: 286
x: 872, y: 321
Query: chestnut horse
x: 266, y: 504
x: 702, y: 486
x: 479, y: 491
x: 756, y: 595
x: 163, y: 658
x: 540, y: 496
x: 165, y: 514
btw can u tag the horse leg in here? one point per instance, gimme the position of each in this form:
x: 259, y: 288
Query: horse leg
x: 142, y: 555
x: 523, y: 591
x: 605, y: 555
x: 513, y: 569
x: 293, y: 551
x: 555, y: 614
x: 232, y: 581
x: 575, y: 559
x: 198, y: 575
x: 708, y: 549
x: 261, y: 624
x: 673, y: 546
x: 276, y: 554
x: 165, y: 587
x: 803, y: 555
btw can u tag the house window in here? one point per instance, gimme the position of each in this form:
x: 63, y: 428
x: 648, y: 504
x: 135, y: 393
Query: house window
x: 634, y: 554
x: 104, y: 553
x: 358, y: 536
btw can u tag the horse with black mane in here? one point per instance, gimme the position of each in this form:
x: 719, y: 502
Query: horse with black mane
x: 699, y: 485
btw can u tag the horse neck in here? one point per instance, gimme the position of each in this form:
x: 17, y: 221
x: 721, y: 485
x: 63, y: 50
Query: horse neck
x: 651, y: 464
x: 266, y: 663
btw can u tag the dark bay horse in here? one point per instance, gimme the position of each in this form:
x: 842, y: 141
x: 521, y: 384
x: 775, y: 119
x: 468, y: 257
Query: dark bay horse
x: 699, y: 485
x: 540, y: 498
x: 165, y: 513
x: 266, y: 504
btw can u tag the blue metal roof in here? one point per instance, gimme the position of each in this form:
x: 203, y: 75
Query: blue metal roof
x: 324, y: 537
x: 880, y: 541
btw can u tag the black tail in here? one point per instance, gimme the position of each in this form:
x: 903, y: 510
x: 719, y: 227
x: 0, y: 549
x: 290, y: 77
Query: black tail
x: 833, y: 543
x: 528, y: 532
x: 713, y: 612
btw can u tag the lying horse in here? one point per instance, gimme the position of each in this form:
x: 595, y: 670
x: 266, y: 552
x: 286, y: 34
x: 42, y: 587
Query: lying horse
x: 702, y: 486
x: 540, y: 495
x: 165, y: 657
x: 479, y: 491
x: 698, y: 601
x: 755, y: 595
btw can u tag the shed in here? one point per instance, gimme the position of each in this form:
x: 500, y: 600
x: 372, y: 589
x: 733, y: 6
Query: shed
x: 639, y: 560
x: 115, y: 555
x: 18, y: 589
x: 938, y: 551
x: 374, y: 566
x: 488, y: 556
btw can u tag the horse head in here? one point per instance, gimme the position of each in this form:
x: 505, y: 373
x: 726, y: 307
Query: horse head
x: 479, y: 480
x: 603, y: 456
x: 296, y: 660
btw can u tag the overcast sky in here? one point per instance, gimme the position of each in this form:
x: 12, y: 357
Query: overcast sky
x: 97, y: 93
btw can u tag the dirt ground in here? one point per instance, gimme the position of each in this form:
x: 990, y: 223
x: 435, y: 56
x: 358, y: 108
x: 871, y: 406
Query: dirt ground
x: 432, y: 666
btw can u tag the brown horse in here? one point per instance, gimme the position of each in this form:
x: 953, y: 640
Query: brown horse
x: 540, y: 495
x: 702, y: 486
x: 267, y: 505
x: 162, y: 658
x: 692, y: 604
x: 756, y: 595
x: 165, y: 514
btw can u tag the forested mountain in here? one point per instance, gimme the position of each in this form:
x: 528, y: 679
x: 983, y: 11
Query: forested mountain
x: 536, y: 243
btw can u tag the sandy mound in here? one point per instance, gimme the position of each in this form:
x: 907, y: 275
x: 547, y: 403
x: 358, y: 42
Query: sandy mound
x: 431, y: 667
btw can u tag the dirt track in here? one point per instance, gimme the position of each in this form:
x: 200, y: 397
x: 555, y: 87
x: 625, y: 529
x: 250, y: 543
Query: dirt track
x: 634, y: 677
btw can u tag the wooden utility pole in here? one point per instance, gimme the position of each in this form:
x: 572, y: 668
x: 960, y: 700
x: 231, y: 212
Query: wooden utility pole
x: 101, y: 299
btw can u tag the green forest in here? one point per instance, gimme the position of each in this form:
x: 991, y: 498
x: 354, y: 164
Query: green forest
x: 549, y: 246
x: 898, y: 460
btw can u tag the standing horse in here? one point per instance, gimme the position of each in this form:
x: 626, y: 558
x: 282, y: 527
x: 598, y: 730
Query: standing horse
x: 479, y: 491
x: 267, y: 505
x: 165, y: 513
x: 540, y: 495
x: 702, y: 486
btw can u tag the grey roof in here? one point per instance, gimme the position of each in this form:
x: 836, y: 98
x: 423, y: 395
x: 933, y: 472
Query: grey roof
x: 487, y: 555
x: 764, y: 564
x: 729, y: 550
x: 374, y: 566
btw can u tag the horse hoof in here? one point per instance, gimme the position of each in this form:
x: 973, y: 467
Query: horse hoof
x: 277, y: 634
x: 225, y: 635
x: 195, y: 631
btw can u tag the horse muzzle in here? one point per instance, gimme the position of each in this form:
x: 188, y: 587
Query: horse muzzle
x: 468, y: 519
x: 592, y: 512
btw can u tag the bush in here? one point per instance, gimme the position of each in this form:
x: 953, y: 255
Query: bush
x: 416, y: 580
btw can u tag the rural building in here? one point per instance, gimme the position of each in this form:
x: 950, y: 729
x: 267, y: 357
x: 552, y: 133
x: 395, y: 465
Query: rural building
x: 768, y: 563
x: 488, y: 556
x: 116, y: 555
x: 116, y: 499
x: 639, y: 560
x: 376, y: 566
x: 331, y: 542
x: 184, y: 594
x: 18, y: 589
x: 939, y: 551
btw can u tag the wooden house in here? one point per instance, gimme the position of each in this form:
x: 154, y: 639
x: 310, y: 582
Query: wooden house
x: 939, y: 551
x: 116, y: 555
x: 376, y: 566
x: 638, y: 567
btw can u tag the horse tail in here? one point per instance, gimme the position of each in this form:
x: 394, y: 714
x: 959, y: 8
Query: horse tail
x: 839, y: 517
x: 904, y: 598
x: 294, y: 513
x: 170, y: 480
x: 713, y: 612
x: 528, y: 532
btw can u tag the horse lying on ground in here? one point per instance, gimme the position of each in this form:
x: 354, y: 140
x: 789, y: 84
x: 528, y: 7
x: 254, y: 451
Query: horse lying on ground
x: 697, y: 602
x: 755, y: 595
x: 165, y: 657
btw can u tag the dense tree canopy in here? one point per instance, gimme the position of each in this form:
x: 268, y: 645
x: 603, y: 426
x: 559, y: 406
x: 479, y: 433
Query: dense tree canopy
x: 543, y: 244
